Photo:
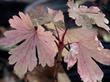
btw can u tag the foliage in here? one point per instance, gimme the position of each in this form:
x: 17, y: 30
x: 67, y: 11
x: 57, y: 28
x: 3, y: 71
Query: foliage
x: 51, y: 41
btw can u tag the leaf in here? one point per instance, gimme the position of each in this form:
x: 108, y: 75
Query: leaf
x: 92, y: 9
x: 89, y: 71
x: 81, y: 34
x: 85, y: 46
x: 24, y: 56
x: 39, y: 12
x: 56, y: 15
x: 100, y: 20
x: 13, y: 37
x: 29, y: 37
x: 25, y: 21
x: 71, y: 58
x: 86, y: 17
x: 47, y: 48
x: 80, y: 18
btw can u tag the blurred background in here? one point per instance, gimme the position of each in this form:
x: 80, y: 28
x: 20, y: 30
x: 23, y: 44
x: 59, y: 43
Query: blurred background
x: 8, y: 8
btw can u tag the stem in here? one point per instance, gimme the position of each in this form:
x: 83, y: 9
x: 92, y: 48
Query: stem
x: 58, y: 59
x: 56, y: 67
x: 64, y: 35
x: 55, y: 72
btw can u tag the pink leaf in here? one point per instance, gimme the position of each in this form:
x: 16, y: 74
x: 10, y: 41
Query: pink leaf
x: 57, y: 15
x: 47, y: 48
x: 24, y: 22
x: 84, y: 47
x: 71, y: 58
x: 92, y: 9
x: 14, y: 36
x: 86, y: 17
x: 24, y: 55
x: 89, y: 71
